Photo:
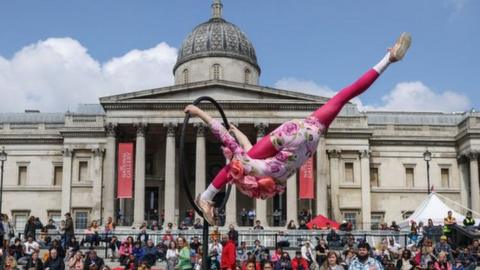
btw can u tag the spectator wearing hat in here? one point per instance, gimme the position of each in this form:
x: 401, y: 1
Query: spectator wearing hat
x: 363, y: 260
x: 443, y: 245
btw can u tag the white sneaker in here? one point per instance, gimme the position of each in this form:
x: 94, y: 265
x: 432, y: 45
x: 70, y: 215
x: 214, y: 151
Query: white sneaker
x: 400, y: 48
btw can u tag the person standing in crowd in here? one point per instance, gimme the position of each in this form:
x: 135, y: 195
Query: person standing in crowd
x: 332, y: 262
x: 29, y: 228
x: 8, y: 232
x: 69, y: 230
x: 172, y: 255
x: 244, y: 216
x: 363, y: 260
x: 251, y: 216
x: 469, y: 220
x: 277, y: 216
x: 229, y: 253
x: 448, y: 223
x: 233, y: 234
x: 184, y: 261
x: 54, y: 262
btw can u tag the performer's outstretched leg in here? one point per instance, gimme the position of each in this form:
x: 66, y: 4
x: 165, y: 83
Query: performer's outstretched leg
x: 327, y: 113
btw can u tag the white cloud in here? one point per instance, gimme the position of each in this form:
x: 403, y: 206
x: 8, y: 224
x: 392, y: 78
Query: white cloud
x: 406, y: 96
x: 416, y: 96
x: 311, y: 87
x: 457, y: 6
x: 58, y: 73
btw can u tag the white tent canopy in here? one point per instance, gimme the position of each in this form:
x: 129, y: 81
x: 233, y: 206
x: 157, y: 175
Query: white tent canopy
x: 431, y: 208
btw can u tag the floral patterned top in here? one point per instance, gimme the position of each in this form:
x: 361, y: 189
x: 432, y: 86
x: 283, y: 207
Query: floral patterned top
x: 295, y: 140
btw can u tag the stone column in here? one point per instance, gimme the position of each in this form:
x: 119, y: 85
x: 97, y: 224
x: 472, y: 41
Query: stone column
x: 109, y: 173
x: 462, y: 162
x: 322, y: 174
x: 231, y: 206
x: 474, y: 182
x: 170, y: 161
x: 97, y: 183
x: 67, y: 181
x: 139, y: 195
x: 261, y: 205
x: 366, y: 200
x: 292, y: 199
x: 200, y: 161
x: 334, y: 156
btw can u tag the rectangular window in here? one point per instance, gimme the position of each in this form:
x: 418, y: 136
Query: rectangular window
x: 82, y: 171
x: 57, y: 175
x: 349, y: 172
x: 81, y: 219
x: 19, y: 220
x: 376, y: 219
x: 445, y: 177
x: 410, y: 181
x: 374, y: 177
x: 352, y: 217
x: 22, y: 175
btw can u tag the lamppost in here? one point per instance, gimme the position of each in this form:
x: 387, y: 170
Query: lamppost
x: 427, y: 156
x: 3, y: 158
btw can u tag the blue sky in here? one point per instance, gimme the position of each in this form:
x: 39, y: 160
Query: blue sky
x: 55, y: 54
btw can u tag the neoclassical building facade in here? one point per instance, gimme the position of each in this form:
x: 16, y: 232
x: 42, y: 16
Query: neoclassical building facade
x: 368, y: 168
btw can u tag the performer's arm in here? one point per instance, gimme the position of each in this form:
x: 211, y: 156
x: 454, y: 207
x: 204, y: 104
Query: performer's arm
x: 241, y: 138
x: 195, y: 111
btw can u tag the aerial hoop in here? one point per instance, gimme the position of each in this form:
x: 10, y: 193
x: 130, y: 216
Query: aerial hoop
x: 184, y: 175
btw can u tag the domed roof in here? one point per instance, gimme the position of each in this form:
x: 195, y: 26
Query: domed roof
x: 217, y: 38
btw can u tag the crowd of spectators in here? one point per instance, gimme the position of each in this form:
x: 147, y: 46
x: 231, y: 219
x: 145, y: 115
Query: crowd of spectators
x: 427, y: 247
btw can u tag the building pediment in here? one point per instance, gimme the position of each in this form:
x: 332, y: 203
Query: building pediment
x: 219, y: 90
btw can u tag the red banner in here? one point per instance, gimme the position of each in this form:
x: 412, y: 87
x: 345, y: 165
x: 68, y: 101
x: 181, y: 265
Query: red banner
x: 125, y: 171
x: 306, y: 180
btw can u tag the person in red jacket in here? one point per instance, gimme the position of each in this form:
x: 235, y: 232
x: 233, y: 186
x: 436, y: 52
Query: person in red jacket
x: 229, y: 254
x: 299, y: 263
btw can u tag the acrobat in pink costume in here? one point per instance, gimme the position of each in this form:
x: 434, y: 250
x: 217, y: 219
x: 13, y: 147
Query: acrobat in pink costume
x: 263, y: 170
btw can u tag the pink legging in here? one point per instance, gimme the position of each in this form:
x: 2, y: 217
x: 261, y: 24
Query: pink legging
x: 325, y: 115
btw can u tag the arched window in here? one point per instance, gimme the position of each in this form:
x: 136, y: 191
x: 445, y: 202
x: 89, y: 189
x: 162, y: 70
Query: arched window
x: 247, y: 76
x: 216, y: 72
x: 185, y: 76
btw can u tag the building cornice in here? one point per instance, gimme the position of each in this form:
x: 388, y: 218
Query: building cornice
x: 30, y: 141
x: 33, y: 189
x: 226, y: 105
